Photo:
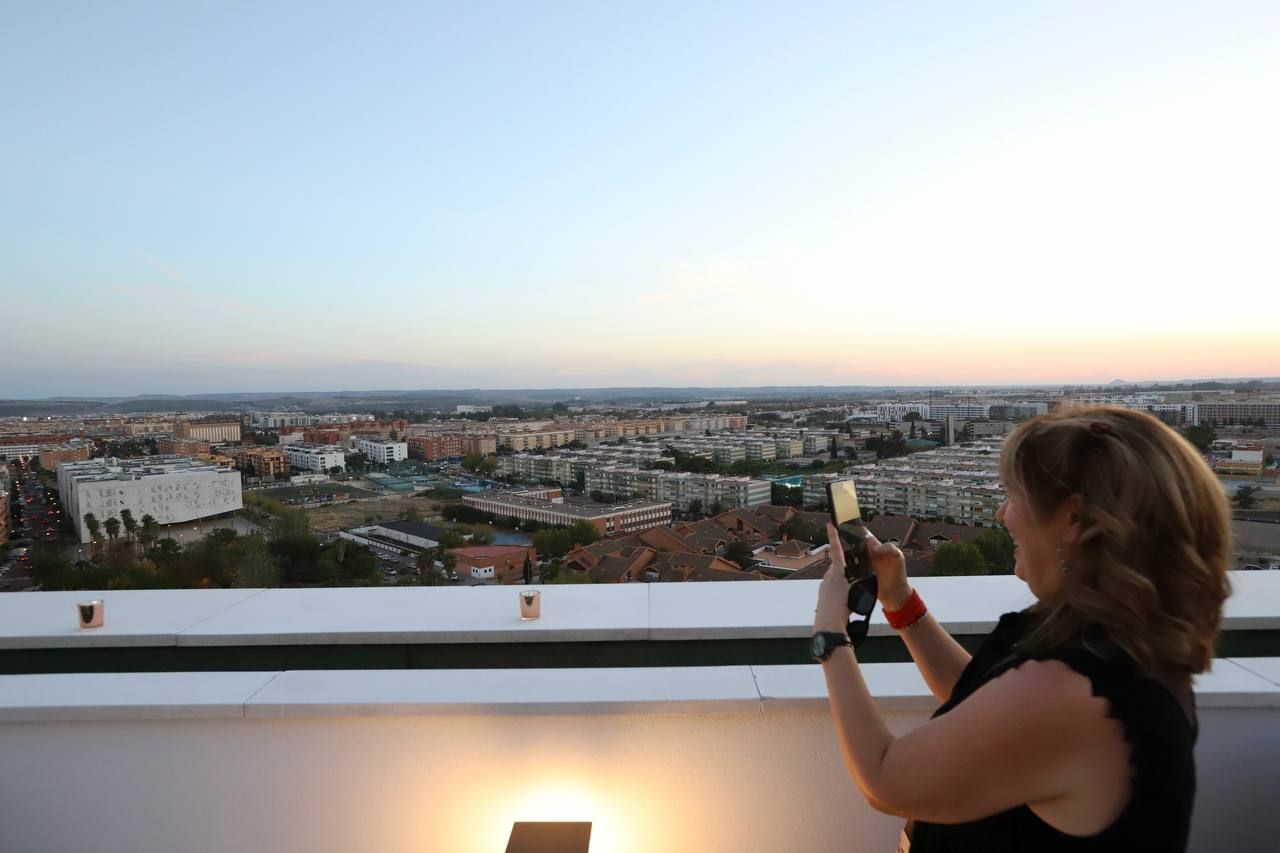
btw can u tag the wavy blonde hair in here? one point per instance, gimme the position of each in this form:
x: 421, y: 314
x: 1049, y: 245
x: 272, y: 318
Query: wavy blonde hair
x: 1149, y: 569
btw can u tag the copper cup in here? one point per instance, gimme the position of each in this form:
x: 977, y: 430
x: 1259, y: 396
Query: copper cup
x: 530, y: 604
x: 90, y: 613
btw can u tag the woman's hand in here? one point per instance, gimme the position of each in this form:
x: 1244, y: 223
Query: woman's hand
x: 888, y: 563
x: 832, y: 613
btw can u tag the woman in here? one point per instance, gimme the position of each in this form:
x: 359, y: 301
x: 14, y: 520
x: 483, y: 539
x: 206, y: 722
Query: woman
x: 1072, y: 726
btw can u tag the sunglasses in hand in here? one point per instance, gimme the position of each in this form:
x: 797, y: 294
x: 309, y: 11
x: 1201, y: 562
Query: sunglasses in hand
x: 862, y: 600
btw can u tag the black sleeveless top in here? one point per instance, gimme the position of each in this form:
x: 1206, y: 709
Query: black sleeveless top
x: 1159, y: 732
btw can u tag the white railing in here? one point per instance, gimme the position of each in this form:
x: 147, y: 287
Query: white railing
x: 682, y: 759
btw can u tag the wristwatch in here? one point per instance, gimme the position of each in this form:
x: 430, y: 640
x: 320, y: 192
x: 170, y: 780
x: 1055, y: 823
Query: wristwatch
x: 823, y: 643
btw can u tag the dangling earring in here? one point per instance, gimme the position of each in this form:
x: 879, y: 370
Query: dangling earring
x: 1063, y: 566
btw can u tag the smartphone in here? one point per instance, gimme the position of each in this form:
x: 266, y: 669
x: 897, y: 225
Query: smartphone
x: 846, y: 515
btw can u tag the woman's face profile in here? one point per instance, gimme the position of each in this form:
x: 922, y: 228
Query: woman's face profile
x: 1035, y: 551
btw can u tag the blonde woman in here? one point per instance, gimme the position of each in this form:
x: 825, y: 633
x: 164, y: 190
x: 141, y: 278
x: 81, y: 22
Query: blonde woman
x: 1072, y: 726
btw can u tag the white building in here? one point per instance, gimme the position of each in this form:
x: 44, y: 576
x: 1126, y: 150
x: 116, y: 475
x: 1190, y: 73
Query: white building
x: 314, y: 457
x: 384, y: 452
x: 472, y: 410
x: 897, y: 411
x: 960, y: 411
x: 171, y: 489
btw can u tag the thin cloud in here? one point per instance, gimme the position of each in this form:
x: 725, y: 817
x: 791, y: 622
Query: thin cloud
x: 160, y: 265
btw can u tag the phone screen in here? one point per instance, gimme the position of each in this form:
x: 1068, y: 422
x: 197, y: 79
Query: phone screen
x: 846, y: 515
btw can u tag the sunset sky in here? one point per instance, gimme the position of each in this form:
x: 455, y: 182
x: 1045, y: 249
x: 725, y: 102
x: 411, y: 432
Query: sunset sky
x: 305, y: 196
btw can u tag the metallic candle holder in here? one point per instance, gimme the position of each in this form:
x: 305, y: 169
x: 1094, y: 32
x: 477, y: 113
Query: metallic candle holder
x: 90, y: 613
x: 530, y: 604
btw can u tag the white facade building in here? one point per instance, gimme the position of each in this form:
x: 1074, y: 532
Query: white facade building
x: 384, y: 452
x: 897, y: 411
x: 314, y: 457
x: 171, y: 489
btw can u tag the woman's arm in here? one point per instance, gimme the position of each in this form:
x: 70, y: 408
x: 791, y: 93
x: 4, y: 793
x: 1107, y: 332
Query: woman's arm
x: 1029, y: 736
x: 1032, y: 735
x: 938, y: 656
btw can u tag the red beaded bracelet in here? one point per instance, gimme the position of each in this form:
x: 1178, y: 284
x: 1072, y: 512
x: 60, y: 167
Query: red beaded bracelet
x: 906, y: 615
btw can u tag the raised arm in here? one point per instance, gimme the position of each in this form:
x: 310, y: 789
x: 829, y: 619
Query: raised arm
x: 938, y: 656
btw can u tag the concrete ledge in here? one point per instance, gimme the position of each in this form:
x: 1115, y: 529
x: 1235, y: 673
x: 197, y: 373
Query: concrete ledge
x: 896, y: 687
x: 571, y: 613
x: 578, y: 612
x: 508, y: 692
x: 145, y: 617
x: 667, y: 690
x: 128, y: 696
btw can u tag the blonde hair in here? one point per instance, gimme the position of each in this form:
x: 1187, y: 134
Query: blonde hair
x: 1148, y: 570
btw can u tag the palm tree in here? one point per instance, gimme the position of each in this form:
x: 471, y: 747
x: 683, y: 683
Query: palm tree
x: 130, y: 525
x: 150, y: 531
x: 112, y: 525
x: 94, y: 526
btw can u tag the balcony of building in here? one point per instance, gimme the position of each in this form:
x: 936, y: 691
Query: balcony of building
x: 674, y: 717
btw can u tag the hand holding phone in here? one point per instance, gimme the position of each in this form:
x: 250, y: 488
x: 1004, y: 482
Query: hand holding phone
x: 846, y: 515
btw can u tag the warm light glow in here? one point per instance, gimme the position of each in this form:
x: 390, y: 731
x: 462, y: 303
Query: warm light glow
x: 559, y: 796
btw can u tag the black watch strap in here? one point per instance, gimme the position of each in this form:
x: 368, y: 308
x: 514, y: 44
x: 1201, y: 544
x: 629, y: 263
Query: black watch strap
x: 824, y: 643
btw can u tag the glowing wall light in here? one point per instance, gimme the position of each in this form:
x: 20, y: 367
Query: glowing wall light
x: 549, y: 837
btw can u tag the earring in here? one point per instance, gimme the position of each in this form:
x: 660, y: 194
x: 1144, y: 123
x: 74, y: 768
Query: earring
x: 1063, y: 566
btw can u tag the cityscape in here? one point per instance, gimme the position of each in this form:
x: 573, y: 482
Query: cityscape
x: 420, y: 418
x: 566, y: 492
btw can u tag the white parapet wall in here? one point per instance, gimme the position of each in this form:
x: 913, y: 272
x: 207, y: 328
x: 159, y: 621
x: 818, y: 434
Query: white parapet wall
x: 705, y: 759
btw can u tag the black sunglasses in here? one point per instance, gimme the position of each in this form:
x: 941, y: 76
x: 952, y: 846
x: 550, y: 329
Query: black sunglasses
x: 862, y: 600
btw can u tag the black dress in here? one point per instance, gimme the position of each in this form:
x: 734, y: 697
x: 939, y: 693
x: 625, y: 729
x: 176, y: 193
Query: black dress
x: 1161, y: 733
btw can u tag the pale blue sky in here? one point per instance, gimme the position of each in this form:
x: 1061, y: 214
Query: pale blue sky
x: 223, y: 197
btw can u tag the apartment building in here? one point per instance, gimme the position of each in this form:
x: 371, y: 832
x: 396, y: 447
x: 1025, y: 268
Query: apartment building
x: 383, y: 452
x: 194, y: 447
x: 679, y: 487
x: 609, y: 519
x: 262, y: 461
x: 519, y: 440
x: 5, y: 485
x: 960, y: 411
x: 888, y: 412
x: 1224, y: 414
x: 1016, y: 411
x: 313, y: 457
x: 171, y: 489
x: 962, y: 483
x: 214, y: 432
x: 52, y: 454
x: 433, y: 448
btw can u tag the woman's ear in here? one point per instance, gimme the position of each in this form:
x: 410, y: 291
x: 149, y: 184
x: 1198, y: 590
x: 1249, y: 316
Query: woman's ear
x: 1071, y: 509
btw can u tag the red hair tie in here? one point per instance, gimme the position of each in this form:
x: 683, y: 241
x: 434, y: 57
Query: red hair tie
x: 1100, y: 428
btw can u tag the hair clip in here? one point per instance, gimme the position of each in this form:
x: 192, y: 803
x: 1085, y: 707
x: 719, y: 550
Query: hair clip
x: 1100, y: 428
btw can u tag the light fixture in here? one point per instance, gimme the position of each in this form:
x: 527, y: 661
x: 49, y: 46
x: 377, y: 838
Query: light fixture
x: 549, y: 836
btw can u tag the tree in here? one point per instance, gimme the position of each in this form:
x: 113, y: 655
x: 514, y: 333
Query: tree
x: 94, y: 526
x: 958, y: 558
x: 112, y: 526
x: 149, y: 532
x: 716, y: 508
x: 335, y: 471
x: 130, y: 525
x: 472, y: 462
x: 1200, y: 435
x: 996, y: 546
x: 583, y: 532
x: 739, y: 552
x: 805, y: 531
x: 911, y: 416
x: 695, y: 506
x: 1245, y: 497
x: 527, y: 573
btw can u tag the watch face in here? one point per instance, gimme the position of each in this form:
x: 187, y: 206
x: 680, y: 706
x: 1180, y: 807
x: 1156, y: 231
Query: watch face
x: 817, y: 645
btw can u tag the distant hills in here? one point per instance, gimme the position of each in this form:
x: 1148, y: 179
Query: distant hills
x: 389, y: 399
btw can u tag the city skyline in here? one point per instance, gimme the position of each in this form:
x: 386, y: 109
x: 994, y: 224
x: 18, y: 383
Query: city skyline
x: 208, y: 199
